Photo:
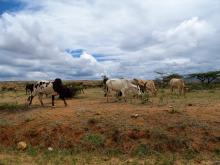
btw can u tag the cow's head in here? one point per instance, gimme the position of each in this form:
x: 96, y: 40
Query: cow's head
x: 138, y: 90
x: 57, y: 85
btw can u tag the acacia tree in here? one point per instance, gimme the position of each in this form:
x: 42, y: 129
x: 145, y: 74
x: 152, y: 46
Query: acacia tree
x: 206, y: 77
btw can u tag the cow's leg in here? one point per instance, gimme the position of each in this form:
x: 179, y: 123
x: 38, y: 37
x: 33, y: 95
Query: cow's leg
x: 107, y: 95
x: 40, y: 96
x: 123, y: 91
x: 184, y: 91
x: 30, y: 98
x: 53, y: 100
x: 64, y: 101
x: 180, y: 90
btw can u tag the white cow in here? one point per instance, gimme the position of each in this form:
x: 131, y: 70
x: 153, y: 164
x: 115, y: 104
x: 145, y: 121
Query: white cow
x: 121, y: 85
x: 178, y: 84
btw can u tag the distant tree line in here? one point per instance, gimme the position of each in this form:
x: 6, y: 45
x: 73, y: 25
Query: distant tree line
x: 205, y: 78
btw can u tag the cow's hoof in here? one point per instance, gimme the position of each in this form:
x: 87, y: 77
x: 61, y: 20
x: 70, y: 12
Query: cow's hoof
x: 53, y: 106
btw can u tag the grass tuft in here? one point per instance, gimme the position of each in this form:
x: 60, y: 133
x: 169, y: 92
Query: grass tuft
x: 12, y: 107
x: 94, y: 140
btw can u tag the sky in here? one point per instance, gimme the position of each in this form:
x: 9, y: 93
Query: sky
x: 85, y: 39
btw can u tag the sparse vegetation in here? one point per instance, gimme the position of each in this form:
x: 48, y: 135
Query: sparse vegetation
x: 93, y: 131
x: 94, y: 140
x: 145, y: 98
x: 142, y: 150
x: 4, y: 122
x: 12, y: 107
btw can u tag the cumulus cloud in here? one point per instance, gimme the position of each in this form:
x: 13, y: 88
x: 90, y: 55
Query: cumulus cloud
x: 84, y: 39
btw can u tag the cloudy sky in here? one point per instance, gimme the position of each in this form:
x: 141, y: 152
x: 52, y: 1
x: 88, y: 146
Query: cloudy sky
x: 84, y: 39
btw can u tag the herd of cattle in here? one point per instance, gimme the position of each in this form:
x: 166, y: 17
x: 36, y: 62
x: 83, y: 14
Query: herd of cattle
x: 121, y: 87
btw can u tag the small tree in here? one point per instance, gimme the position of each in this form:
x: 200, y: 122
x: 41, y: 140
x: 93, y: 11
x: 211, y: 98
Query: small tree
x: 206, y: 77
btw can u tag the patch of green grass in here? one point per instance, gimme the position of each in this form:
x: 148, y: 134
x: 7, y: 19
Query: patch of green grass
x: 145, y: 98
x: 94, y: 140
x: 142, y: 150
x: 190, y: 154
x: 12, y: 107
x: 4, y: 122
x: 32, y: 151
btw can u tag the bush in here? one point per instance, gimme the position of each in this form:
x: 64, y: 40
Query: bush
x: 144, y: 98
x: 5, y: 88
x: 94, y: 140
x: 142, y: 150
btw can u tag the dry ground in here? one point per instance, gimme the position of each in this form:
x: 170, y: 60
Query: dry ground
x: 186, y: 127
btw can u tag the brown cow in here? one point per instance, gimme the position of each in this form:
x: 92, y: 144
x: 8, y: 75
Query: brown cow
x: 178, y: 84
x: 146, y: 85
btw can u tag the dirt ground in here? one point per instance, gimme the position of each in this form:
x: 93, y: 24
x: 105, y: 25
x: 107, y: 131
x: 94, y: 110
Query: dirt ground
x: 169, y: 123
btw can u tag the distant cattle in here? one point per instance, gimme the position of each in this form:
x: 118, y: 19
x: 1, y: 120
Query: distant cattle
x: 146, y: 85
x: 29, y: 88
x: 176, y: 83
x: 52, y: 88
x: 121, y: 85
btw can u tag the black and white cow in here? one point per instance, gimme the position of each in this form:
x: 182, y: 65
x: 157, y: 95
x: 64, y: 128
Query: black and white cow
x: 52, y: 88
x: 29, y: 88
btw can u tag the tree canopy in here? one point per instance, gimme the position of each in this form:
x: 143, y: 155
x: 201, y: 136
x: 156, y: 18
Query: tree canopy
x: 206, y: 77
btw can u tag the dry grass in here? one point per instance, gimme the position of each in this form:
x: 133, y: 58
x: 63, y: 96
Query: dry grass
x: 171, y: 129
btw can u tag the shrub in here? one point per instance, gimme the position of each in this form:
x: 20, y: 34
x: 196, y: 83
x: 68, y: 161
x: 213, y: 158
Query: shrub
x: 94, y: 140
x: 190, y: 154
x: 142, y: 150
x: 144, y: 97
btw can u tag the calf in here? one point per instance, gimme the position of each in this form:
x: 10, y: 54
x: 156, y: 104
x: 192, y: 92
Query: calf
x: 49, y: 88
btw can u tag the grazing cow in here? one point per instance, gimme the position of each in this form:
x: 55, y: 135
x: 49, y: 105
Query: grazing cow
x: 121, y: 85
x: 49, y: 88
x: 29, y: 88
x: 146, y: 85
x: 105, y: 78
x: 178, y: 84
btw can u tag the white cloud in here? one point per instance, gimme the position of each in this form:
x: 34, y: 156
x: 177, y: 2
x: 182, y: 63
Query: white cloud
x: 134, y: 37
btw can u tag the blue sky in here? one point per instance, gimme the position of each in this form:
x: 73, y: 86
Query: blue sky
x: 71, y: 39
x: 10, y: 6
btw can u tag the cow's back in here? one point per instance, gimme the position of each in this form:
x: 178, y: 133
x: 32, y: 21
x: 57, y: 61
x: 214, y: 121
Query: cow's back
x: 174, y: 82
x: 43, y: 87
x: 116, y: 84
